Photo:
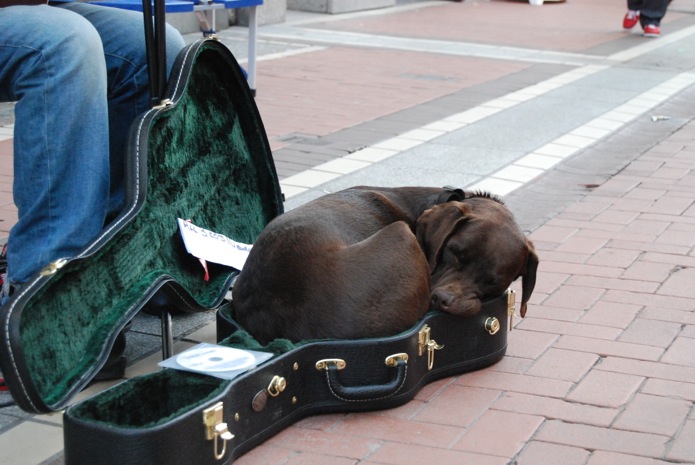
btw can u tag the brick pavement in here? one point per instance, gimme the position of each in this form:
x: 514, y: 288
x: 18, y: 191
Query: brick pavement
x: 600, y: 372
x: 602, y: 369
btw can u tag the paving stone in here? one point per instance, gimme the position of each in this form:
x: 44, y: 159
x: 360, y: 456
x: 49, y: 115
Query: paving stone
x: 606, y: 389
x: 411, y: 454
x: 505, y: 442
x: 563, y: 364
x: 683, y: 448
x: 665, y: 301
x: 611, y: 314
x: 679, y: 283
x: 653, y: 414
x: 606, y: 348
x: 668, y: 314
x: 514, y: 365
x: 554, y: 313
x: 556, y: 409
x: 596, y: 438
x: 265, y: 455
x: 581, y: 269
x: 647, y: 369
x: 511, y: 382
x: 650, y: 332
x: 548, y: 281
x: 381, y: 428
x: 646, y: 271
x: 600, y: 457
x: 562, y: 327
x: 306, y: 458
x: 613, y: 284
x: 557, y: 234
x: 324, y: 442
x: 528, y: 344
x: 575, y: 297
x: 438, y: 410
x: 648, y: 246
x: 537, y: 452
x: 681, y: 352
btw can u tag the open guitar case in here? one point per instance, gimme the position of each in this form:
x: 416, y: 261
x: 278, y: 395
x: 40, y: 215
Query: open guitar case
x: 201, y: 153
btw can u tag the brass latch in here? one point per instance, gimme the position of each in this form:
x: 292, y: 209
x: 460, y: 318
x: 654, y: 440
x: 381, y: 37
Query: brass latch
x: 511, y: 301
x: 276, y: 386
x: 492, y: 325
x: 215, y: 428
x: 425, y: 342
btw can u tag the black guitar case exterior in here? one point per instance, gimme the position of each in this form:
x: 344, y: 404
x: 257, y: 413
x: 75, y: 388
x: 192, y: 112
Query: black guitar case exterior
x: 201, y: 153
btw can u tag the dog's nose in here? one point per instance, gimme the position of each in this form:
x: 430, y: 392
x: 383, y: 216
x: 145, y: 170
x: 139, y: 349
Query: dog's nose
x: 441, y: 299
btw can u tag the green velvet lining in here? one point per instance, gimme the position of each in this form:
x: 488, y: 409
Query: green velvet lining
x: 156, y: 398
x: 208, y: 160
x: 150, y: 400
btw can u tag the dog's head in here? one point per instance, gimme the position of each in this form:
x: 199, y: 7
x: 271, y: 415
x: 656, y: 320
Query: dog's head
x: 475, y: 250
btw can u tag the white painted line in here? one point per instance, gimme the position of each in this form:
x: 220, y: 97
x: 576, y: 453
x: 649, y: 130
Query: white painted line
x: 530, y: 166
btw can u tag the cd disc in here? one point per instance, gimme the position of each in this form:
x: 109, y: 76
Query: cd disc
x: 215, y: 358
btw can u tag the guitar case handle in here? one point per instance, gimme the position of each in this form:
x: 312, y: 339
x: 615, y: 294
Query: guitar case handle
x: 366, y: 393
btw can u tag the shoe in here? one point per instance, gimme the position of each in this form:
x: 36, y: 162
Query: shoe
x: 631, y: 19
x: 651, y: 30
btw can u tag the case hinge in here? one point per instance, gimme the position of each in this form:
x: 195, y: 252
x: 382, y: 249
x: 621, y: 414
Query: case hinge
x: 216, y: 429
x: 426, y: 343
x: 53, y: 267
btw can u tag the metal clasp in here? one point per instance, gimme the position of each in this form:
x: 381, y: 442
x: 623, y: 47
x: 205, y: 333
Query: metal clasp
x: 511, y: 301
x: 215, y: 428
x: 492, y: 325
x: 392, y: 360
x: 423, y: 337
x: 163, y: 104
x: 425, y: 342
x: 276, y: 386
x: 53, y: 267
x: 323, y: 365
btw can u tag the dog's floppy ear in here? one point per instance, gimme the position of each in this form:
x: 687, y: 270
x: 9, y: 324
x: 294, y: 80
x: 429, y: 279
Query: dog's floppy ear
x: 528, y: 278
x: 434, y: 227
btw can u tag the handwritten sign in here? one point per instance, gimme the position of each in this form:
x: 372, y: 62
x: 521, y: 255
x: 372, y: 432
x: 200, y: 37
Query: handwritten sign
x: 213, y: 247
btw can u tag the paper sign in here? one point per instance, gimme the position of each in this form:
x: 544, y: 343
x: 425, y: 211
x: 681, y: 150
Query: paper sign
x: 213, y: 247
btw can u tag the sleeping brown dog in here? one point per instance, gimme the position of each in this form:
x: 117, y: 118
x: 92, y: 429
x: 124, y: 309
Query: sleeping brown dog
x: 371, y: 261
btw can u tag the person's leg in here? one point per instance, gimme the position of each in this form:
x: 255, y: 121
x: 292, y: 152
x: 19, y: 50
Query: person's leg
x: 633, y: 13
x: 653, y: 11
x: 123, y: 37
x: 634, y: 5
x: 52, y: 65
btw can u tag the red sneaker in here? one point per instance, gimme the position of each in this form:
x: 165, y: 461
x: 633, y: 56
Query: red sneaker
x: 651, y: 30
x: 631, y: 19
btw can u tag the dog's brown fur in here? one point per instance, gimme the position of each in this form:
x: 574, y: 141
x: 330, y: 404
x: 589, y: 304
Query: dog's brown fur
x: 370, y: 262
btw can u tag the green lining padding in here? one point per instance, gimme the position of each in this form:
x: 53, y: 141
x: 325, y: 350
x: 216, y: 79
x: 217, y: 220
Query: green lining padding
x: 156, y: 398
x: 150, y: 400
x: 208, y: 161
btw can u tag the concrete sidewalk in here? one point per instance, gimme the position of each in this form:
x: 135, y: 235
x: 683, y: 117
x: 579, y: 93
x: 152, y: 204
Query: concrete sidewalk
x: 587, y: 131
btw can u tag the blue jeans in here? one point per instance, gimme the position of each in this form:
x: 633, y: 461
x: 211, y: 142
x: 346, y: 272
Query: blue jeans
x: 78, y: 74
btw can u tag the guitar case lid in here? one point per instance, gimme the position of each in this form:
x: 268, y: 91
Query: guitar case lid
x: 201, y: 155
